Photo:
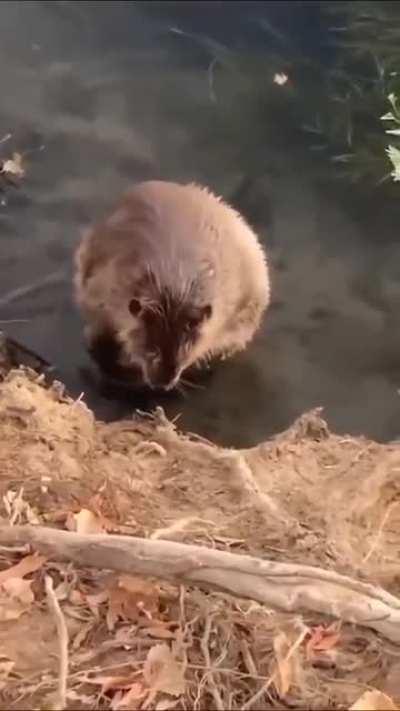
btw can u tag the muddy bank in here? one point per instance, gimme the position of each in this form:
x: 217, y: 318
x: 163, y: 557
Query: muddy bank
x: 307, y: 496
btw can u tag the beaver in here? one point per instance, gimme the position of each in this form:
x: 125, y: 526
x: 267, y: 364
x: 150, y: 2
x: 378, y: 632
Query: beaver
x: 172, y: 278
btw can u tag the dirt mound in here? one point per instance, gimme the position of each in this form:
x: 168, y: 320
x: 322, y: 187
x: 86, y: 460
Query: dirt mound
x: 306, y: 497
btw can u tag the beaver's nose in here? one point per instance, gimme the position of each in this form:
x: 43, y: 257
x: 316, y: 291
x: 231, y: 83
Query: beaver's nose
x: 165, y: 378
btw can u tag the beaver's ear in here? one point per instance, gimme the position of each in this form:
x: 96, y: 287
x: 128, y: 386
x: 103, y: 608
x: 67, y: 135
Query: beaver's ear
x: 135, y: 307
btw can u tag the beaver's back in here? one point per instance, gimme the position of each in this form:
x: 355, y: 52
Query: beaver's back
x: 195, y: 219
x: 179, y: 232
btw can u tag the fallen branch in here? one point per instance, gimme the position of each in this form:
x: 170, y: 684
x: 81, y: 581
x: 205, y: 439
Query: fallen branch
x: 14, y: 354
x: 284, y: 586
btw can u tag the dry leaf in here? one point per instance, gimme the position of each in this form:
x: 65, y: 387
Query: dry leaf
x: 95, y: 601
x: 12, y: 606
x: 72, y: 695
x: 166, y: 704
x: 6, y: 668
x: 102, y: 505
x: 81, y: 636
x: 11, y: 610
x: 108, y: 683
x: 87, y: 522
x: 76, y: 597
x: 373, y: 701
x: 280, y: 78
x: 131, y: 699
x: 62, y: 590
x: 147, y: 593
x: 14, y: 166
x: 285, y: 673
x: 162, y: 672
x: 288, y: 669
x: 19, y: 589
x: 132, y: 597
x: 18, y: 510
x: 70, y: 522
x: 321, y: 640
x: 27, y: 565
x: 391, y: 685
x: 159, y: 631
x: 16, y: 595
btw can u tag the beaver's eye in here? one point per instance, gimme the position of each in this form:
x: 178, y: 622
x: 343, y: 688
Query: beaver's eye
x: 135, y: 307
x: 192, y: 323
x: 207, y: 311
x: 196, y: 318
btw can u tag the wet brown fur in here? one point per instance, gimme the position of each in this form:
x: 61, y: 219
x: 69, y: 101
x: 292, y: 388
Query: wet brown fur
x: 182, y: 252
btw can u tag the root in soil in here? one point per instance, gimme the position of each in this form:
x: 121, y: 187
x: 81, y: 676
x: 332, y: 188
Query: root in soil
x: 96, y: 637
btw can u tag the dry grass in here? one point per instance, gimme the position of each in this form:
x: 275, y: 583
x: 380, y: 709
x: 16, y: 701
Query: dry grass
x: 307, y: 497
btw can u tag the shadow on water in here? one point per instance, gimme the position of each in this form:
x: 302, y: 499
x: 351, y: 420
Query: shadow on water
x: 103, y: 94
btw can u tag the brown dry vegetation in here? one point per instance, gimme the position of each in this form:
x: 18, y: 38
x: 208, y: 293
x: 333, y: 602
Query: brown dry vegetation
x: 305, y: 497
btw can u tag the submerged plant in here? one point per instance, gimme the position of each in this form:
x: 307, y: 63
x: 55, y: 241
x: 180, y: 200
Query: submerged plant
x: 291, y: 94
x: 367, y: 37
x: 393, y: 152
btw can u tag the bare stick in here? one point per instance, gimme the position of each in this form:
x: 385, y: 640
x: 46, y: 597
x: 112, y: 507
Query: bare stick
x: 207, y: 658
x: 24, y: 349
x: 20, y: 292
x: 284, y: 586
x: 378, y: 536
x: 16, y: 320
x: 62, y: 633
x: 210, y: 73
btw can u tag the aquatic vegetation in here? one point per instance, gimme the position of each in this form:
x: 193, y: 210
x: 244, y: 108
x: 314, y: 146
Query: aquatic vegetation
x: 394, y: 155
x: 368, y: 29
x: 393, y: 152
x: 326, y: 95
x: 367, y: 39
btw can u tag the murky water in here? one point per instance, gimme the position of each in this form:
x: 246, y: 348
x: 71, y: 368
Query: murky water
x: 102, y: 94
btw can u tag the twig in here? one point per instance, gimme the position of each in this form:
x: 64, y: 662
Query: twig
x: 378, y: 536
x: 178, y: 526
x: 210, y: 73
x: 26, y: 351
x: 249, y: 486
x: 149, y: 447
x: 286, y: 586
x: 206, y: 654
x: 20, y: 292
x: 15, y: 320
x: 15, y: 549
x: 62, y: 633
x: 247, y: 658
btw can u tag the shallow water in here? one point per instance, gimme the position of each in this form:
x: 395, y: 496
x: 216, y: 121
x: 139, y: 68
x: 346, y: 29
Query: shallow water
x: 103, y: 94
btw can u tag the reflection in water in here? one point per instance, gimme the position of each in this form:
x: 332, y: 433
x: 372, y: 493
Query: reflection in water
x: 115, y: 96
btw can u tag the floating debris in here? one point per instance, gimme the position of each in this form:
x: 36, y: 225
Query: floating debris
x: 281, y: 78
x: 13, y: 166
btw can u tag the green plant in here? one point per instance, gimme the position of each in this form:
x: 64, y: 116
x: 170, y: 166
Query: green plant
x: 393, y: 152
x: 367, y: 38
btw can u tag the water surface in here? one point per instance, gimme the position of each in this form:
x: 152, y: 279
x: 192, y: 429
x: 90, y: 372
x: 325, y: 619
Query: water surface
x: 102, y: 94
